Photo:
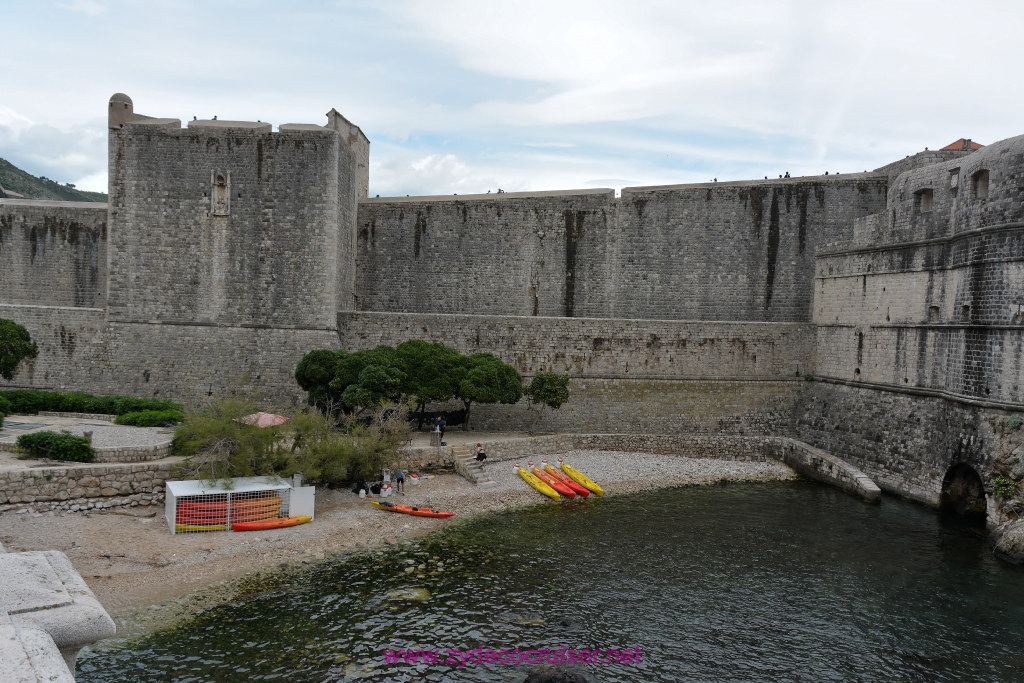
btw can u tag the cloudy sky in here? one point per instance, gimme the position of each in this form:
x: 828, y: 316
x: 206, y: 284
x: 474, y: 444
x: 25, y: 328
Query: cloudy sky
x: 464, y: 96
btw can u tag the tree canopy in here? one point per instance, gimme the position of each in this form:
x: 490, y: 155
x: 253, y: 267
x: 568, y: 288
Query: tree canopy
x: 415, y: 371
x: 15, y: 346
x: 548, y: 388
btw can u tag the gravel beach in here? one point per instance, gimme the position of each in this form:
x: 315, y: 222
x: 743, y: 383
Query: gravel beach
x: 145, y: 576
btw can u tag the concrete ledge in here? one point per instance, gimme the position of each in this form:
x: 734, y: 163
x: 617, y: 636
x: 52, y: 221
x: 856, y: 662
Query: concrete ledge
x: 47, y: 614
x: 29, y: 655
x: 822, y: 466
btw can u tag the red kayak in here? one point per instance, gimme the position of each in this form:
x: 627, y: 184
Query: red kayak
x: 411, y: 510
x: 564, y: 478
x: 553, y: 483
x: 271, y: 523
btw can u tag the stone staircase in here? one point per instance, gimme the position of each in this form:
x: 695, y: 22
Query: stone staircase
x: 467, y: 466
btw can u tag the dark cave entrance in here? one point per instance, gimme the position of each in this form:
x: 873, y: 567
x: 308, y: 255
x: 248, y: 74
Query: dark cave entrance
x: 963, y: 494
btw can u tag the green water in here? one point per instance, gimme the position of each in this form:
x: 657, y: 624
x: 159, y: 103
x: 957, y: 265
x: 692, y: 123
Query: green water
x: 785, y: 581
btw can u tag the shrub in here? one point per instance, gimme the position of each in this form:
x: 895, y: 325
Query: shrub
x: 1014, y: 422
x: 150, y: 418
x: 31, y: 401
x: 26, y: 401
x: 217, y: 446
x: 1005, y: 487
x: 57, y: 446
x: 5, y: 406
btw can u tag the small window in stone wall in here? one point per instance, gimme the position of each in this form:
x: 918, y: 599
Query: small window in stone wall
x: 954, y: 180
x: 979, y: 184
x: 933, y: 314
x: 923, y: 200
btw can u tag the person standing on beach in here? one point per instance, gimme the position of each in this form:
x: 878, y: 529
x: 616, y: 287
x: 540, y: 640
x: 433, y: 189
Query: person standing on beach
x: 400, y: 481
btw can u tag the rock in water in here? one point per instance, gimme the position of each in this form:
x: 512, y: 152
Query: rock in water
x: 1009, y: 542
x: 411, y: 594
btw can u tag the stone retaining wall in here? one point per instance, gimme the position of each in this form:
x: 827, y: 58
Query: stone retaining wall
x: 140, y: 483
x: 82, y: 416
x: 117, y: 455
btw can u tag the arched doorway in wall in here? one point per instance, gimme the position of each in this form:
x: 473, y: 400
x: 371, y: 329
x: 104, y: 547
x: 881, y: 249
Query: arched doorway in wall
x: 963, y: 494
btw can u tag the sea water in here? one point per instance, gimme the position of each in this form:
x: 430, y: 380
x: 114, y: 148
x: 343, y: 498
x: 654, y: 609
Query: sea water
x: 784, y: 581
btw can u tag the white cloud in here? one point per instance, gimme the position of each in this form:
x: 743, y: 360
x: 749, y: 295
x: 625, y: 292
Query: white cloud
x: 649, y: 90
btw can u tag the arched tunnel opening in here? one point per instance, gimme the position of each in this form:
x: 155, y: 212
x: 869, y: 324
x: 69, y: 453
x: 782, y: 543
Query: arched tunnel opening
x: 963, y: 494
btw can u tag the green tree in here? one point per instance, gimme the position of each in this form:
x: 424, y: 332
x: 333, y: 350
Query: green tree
x: 369, y: 379
x: 488, y: 379
x: 548, y: 388
x: 432, y: 372
x: 16, y: 345
x: 314, y: 374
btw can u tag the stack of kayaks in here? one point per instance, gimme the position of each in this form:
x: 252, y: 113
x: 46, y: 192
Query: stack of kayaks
x: 200, y: 515
x: 411, y: 510
x: 570, y: 482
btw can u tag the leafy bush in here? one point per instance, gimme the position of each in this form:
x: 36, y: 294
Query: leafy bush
x: 56, y: 446
x: 217, y: 446
x: 1005, y: 487
x: 27, y: 401
x: 5, y: 406
x: 151, y: 418
x: 31, y: 401
x: 16, y: 345
x: 1014, y: 422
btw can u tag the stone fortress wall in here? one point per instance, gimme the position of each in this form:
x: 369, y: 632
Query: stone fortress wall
x: 229, y: 250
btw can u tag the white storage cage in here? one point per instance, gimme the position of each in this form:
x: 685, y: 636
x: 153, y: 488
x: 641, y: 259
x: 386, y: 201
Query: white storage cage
x: 202, y: 506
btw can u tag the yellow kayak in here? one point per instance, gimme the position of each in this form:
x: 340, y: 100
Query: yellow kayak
x: 536, y: 483
x: 178, y: 528
x: 581, y: 479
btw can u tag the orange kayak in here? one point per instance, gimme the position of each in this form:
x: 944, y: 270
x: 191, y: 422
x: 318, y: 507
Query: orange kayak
x: 275, y: 523
x: 553, y: 483
x: 222, y: 505
x: 411, y: 510
x: 564, y: 478
x: 188, y: 514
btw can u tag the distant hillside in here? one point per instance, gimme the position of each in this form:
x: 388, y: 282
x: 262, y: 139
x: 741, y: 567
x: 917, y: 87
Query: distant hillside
x: 17, y: 184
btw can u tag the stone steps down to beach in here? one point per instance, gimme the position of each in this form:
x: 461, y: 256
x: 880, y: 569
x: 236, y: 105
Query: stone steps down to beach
x: 468, y: 468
